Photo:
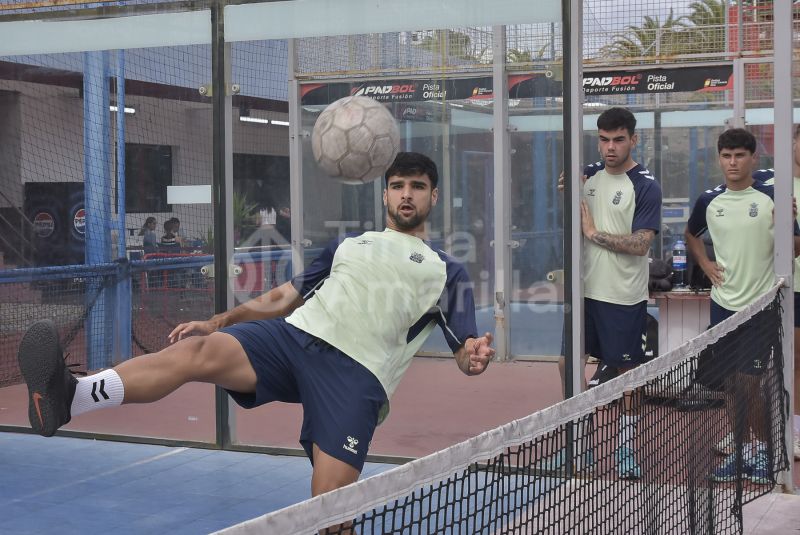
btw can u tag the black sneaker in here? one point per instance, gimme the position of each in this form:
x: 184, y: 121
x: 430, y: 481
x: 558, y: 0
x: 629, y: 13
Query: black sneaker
x: 51, y: 386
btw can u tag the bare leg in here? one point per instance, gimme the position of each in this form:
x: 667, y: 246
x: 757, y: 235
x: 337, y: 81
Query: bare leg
x: 756, y: 407
x: 632, y: 400
x: 217, y: 358
x: 330, y: 474
x: 738, y: 413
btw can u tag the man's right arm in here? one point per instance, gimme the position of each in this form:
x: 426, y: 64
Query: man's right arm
x: 698, y: 251
x: 276, y: 303
x: 695, y: 228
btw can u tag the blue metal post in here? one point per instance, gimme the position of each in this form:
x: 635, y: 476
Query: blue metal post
x: 97, y: 184
x: 122, y: 331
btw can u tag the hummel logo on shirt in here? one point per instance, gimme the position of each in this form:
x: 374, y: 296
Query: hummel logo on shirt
x: 591, y: 192
x: 720, y: 212
x: 364, y: 242
x: 416, y: 257
x: 351, y: 444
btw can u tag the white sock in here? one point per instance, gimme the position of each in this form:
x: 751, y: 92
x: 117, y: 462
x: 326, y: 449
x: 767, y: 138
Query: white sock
x: 97, y: 391
x: 627, y: 431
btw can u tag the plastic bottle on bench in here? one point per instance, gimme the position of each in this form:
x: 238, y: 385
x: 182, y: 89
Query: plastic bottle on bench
x: 679, y: 265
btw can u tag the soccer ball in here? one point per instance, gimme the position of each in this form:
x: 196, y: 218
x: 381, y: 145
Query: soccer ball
x: 355, y: 140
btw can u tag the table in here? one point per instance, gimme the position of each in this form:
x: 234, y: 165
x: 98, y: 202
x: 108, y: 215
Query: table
x: 682, y: 315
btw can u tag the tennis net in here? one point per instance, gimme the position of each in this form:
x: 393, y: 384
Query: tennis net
x: 578, y: 467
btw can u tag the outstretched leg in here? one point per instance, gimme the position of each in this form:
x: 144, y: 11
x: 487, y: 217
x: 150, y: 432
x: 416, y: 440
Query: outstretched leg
x: 54, y: 395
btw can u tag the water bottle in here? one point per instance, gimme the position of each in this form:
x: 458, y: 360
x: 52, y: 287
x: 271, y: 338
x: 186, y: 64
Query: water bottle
x: 679, y: 265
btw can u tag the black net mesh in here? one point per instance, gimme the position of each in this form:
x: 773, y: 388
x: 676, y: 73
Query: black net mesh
x: 68, y: 297
x: 678, y: 448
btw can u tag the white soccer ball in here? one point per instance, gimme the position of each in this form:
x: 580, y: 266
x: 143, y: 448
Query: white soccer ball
x: 355, y: 140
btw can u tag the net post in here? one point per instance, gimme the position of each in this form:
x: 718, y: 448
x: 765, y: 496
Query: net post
x: 571, y: 15
x: 784, y: 243
x: 222, y: 190
x: 502, y: 192
x: 296, y: 157
x: 572, y: 35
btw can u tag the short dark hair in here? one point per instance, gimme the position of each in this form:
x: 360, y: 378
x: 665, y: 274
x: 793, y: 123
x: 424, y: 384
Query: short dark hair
x: 736, y: 138
x: 412, y: 163
x: 616, y: 118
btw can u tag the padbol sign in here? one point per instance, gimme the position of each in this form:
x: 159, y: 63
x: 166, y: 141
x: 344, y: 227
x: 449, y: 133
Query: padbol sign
x: 684, y: 79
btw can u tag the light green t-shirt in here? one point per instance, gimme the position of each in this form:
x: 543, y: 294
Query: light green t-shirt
x: 741, y: 225
x: 620, y: 204
x: 377, y: 296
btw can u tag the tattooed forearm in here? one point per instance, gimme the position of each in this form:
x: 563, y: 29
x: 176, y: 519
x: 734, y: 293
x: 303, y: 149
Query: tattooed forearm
x: 637, y: 243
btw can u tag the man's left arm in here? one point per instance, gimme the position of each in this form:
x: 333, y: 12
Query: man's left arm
x: 474, y: 356
x: 636, y: 243
x: 456, y: 318
x: 796, y: 229
x: 646, y: 219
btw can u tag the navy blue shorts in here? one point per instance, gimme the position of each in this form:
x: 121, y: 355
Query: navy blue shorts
x: 341, y: 398
x: 797, y: 308
x: 615, y: 334
x: 747, y: 362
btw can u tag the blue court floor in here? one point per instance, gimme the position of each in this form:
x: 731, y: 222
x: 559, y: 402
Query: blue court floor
x: 69, y: 485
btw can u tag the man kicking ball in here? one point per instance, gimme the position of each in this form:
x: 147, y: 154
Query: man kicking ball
x: 353, y: 321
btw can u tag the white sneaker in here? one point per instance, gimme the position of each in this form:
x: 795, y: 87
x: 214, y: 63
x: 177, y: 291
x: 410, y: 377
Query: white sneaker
x: 725, y: 446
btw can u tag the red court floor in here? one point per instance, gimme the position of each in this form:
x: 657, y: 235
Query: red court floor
x: 435, y: 406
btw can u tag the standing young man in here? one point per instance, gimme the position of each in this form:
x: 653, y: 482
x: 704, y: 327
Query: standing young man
x: 354, y: 319
x: 739, y: 216
x: 768, y: 177
x: 620, y: 216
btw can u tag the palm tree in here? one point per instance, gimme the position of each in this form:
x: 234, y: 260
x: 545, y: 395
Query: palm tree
x: 650, y: 39
x: 457, y: 44
x: 708, y: 25
x: 516, y: 55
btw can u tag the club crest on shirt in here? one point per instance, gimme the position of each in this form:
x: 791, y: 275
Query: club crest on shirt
x: 416, y: 257
x: 617, y: 197
x: 754, y: 209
